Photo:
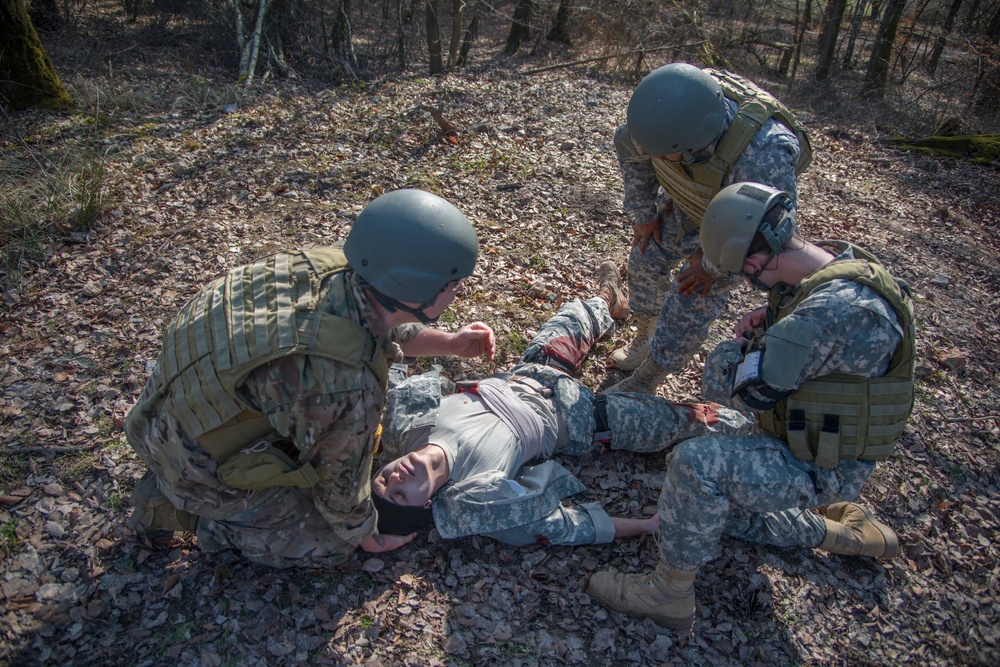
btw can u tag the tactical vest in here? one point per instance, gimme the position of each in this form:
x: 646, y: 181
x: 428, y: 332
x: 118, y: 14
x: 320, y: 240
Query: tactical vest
x: 254, y: 315
x: 692, y: 186
x: 846, y: 417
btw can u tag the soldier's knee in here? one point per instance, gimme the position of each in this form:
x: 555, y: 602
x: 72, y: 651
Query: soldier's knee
x: 694, y: 455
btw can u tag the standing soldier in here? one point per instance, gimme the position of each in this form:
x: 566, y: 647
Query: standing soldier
x: 259, y: 420
x: 689, y: 132
x: 828, y: 369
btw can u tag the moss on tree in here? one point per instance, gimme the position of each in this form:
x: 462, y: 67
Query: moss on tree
x: 27, y: 77
x: 977, y: 148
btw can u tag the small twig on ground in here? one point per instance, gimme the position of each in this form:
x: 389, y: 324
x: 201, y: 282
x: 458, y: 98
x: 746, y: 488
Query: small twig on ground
x: 613, y: 55
x: 47, y: 450
x: 971, y: 419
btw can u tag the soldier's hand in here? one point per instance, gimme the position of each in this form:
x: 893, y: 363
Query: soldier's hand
x: 750, y: 321
x: 377, y: 543
x: 475, y: 340
x: 642, y: 233
x: 694, y: 277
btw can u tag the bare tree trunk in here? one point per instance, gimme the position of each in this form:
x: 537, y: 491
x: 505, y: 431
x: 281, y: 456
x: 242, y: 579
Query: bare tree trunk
x: 801, y: 36
x: 856, y: 20
x: 344, y: 38
x: 877, y: 75
x: 828, y: 38
x: 27, y: 77
x: 433, y: 36
x: 400, y: 34
x: 987, y: 92
x: 560, y: 30
x: 949, y: 23
x: 904, y: 62
x: 457, y: 16
x: 470, y: 35
x: 520, y: 26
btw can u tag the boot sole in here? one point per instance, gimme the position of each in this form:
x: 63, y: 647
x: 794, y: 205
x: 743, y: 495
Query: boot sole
x: 888, y: 534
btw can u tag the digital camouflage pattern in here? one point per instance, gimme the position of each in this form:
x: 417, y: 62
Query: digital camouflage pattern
x: 528, y: 509
x: 751, y: 487
x: 683, y: 321
x: 326, y: 414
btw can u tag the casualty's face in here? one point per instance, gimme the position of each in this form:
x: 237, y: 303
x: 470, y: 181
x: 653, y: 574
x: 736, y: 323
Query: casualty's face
x: 405, y: 481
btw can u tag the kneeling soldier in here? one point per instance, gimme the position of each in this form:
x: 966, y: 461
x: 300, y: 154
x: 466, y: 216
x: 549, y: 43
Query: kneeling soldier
x: 828, y: 369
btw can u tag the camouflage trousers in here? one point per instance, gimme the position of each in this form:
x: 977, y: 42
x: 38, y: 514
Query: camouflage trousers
x: 279, y: 526
x: 638, y: 422
x: 682, y: 321
x: 749, y: 487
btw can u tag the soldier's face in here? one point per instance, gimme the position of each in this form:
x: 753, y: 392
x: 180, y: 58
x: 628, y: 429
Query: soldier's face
x: 444, y: 299
x: 405, y: 481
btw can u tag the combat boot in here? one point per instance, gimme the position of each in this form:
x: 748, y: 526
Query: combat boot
x: 665, y: 595
x: 154, y: 511
x: 610, y: 289
x: 852, y: 530
x: 629, y: 357
x: 645, y: 380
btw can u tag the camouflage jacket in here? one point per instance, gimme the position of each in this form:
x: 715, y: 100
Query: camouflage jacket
x: 853, y: 331
x: 769, y: 158
x: 521, y: 510
x: 324, y: 413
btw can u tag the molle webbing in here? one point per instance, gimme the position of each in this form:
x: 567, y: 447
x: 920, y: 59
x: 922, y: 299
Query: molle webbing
x: 692, y: 186
x: 847, y: 417
x: 254, y: 315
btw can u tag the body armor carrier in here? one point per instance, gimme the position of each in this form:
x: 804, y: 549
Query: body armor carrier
x: 847, y: 417
x: 692, y: 186
x: 256, y: 314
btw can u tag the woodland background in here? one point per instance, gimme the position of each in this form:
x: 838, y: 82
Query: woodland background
x: 181, y: 138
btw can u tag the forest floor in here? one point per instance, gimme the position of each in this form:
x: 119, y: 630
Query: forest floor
x: 198, y: 181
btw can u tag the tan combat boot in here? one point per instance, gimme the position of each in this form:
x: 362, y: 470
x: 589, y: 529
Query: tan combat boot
x: 853, y: 531
x: 610, y: 289
x: 645, y: 380
x: 665, y: 595
x: 629, y: 357
x: 154, y: 511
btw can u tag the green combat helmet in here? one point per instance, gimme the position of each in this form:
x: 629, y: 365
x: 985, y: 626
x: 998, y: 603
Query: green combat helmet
x: 737, y: 213
x: 409, y: 244
x: 676, y: 108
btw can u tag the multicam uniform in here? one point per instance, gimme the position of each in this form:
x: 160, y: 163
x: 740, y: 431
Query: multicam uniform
x: 523, y: 506
x: 320, y: 413
x: 752, y: 487
x: 683, y: 321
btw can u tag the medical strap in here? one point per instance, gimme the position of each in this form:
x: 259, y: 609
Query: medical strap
x: 522, y: 421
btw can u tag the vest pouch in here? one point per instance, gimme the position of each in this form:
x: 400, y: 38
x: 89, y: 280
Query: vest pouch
x: 264, y: 466
x: 796, y: 435
x: 828, y: 443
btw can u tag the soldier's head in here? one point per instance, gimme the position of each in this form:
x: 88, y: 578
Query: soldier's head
x: 676, y: 109
x: 745, y: 226
x: 412, y: 249
x: 403, y: 488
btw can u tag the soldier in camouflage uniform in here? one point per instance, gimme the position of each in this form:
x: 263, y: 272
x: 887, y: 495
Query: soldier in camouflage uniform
x: 464, y: 458
x: 828, y: 369
x: 259, y: 420
x: 686, y: 136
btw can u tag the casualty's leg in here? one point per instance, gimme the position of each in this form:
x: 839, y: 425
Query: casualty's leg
x: 564, y: 341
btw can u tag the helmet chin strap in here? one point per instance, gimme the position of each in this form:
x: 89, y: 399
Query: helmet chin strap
x: 392, y: 305
x: 754, y: 278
